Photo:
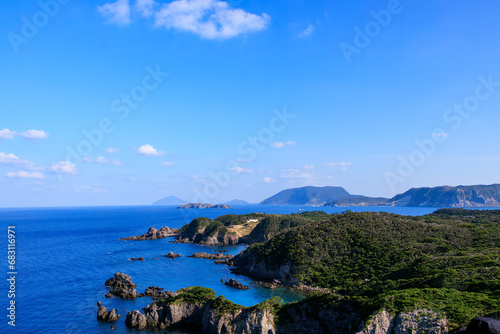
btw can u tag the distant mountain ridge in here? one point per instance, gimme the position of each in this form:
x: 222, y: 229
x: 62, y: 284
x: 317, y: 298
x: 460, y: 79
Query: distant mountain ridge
x: 444, y: 197
x: 237, y: 202
x: 313, y: 196
x: 450, y: 197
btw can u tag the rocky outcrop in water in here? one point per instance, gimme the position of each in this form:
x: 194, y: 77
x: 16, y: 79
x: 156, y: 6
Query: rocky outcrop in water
x: 122, y: 286
x: 153, y: 234
x: 109, y: 316
x: 171, y: 255
x: 136, y: 259
x: 216, y: 256
x: 235, y: 284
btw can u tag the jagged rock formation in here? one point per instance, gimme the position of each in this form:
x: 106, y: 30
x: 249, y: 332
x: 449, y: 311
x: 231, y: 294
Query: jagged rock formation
x: 421, y: 321
x: 109, y: 316
x: 483, y: 325
x: 203, y: 206
x: 171, y: 255
x: 235, y: 284
x: 216, y: 256
x: 153, y: 234
x: 122, y: 286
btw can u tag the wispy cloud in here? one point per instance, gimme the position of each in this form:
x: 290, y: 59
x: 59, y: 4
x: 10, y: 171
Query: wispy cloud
x: 145, y: 7
x: 210, y: 19
x: 309, y: 30
x: 440, y: 134
x: 112, y: 150
x: 10, y: 159
x: 280, y: 144
x: 310, y: 167
x: 117, y: 12
x: 240, y: 170
x: 102, y: 160
x: 295, y: 174
x: 34, y: 134
x: 343, y: 164
x: 22, y: 174
x: 63, y: 167
x: 268, y: 179
x: 88, y: 189
x: 149, y: 151
x: 7, y: 134
x: 167, y: 163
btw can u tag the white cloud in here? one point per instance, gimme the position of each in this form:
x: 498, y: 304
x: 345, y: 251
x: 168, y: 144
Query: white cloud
x: 280, y: 144
x: 210, y: 19
x: 310, y: 167
x: 343, y: 164
x: 243, y: 160
x: 112, y: 150
x: 168, y: 164
x: 35, y: 134
x: 145, y: 7
x: 240, y: 170
x: 309, y: 30
x: 63, y: 167
x: 268, y: 179
x: 7, y: 134
x: 10, y: 159
x: 87, y: 189
x: 117, y: 12
x: 103, y: 160
x: 440, y: 134
x: 22, y: 174
x: 150, y: 151
x: 295, y: 174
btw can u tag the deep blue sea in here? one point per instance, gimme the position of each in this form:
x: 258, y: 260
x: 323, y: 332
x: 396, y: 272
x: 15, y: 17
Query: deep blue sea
x: 64, y: 256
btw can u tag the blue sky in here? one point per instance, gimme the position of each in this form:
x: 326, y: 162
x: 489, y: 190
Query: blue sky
x: 211, y: 100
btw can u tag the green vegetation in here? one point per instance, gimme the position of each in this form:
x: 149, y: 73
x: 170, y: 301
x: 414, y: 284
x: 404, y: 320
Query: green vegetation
x: 193, y: 295
x: 222, y: 306
x: 448, y: 261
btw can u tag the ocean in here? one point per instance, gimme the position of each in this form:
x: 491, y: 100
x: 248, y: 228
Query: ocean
x: 63, y: 256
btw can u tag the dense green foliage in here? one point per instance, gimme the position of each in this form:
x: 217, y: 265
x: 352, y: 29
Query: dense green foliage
x: 223, y: 306
x: 193, y: 295
x: 449, y: 260
x: 273, y: 224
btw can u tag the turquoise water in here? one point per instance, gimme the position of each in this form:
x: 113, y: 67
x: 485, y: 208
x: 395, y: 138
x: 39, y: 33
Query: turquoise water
x: 64, y: 256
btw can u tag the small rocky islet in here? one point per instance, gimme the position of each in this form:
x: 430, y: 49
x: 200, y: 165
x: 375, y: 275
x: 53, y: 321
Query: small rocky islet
x: 373, y: 273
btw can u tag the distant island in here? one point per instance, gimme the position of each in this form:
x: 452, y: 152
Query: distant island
x: 203, y: 206
x: 170, y: 200
x: 237, y: 202
x: 443, y: 197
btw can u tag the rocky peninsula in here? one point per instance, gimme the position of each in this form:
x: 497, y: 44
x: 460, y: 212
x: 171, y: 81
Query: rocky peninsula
x: 203, y: 206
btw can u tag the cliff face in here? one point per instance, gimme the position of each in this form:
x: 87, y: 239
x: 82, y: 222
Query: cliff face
x: 246, y: 263
x: 421, y: 321
x: 203, y: 316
